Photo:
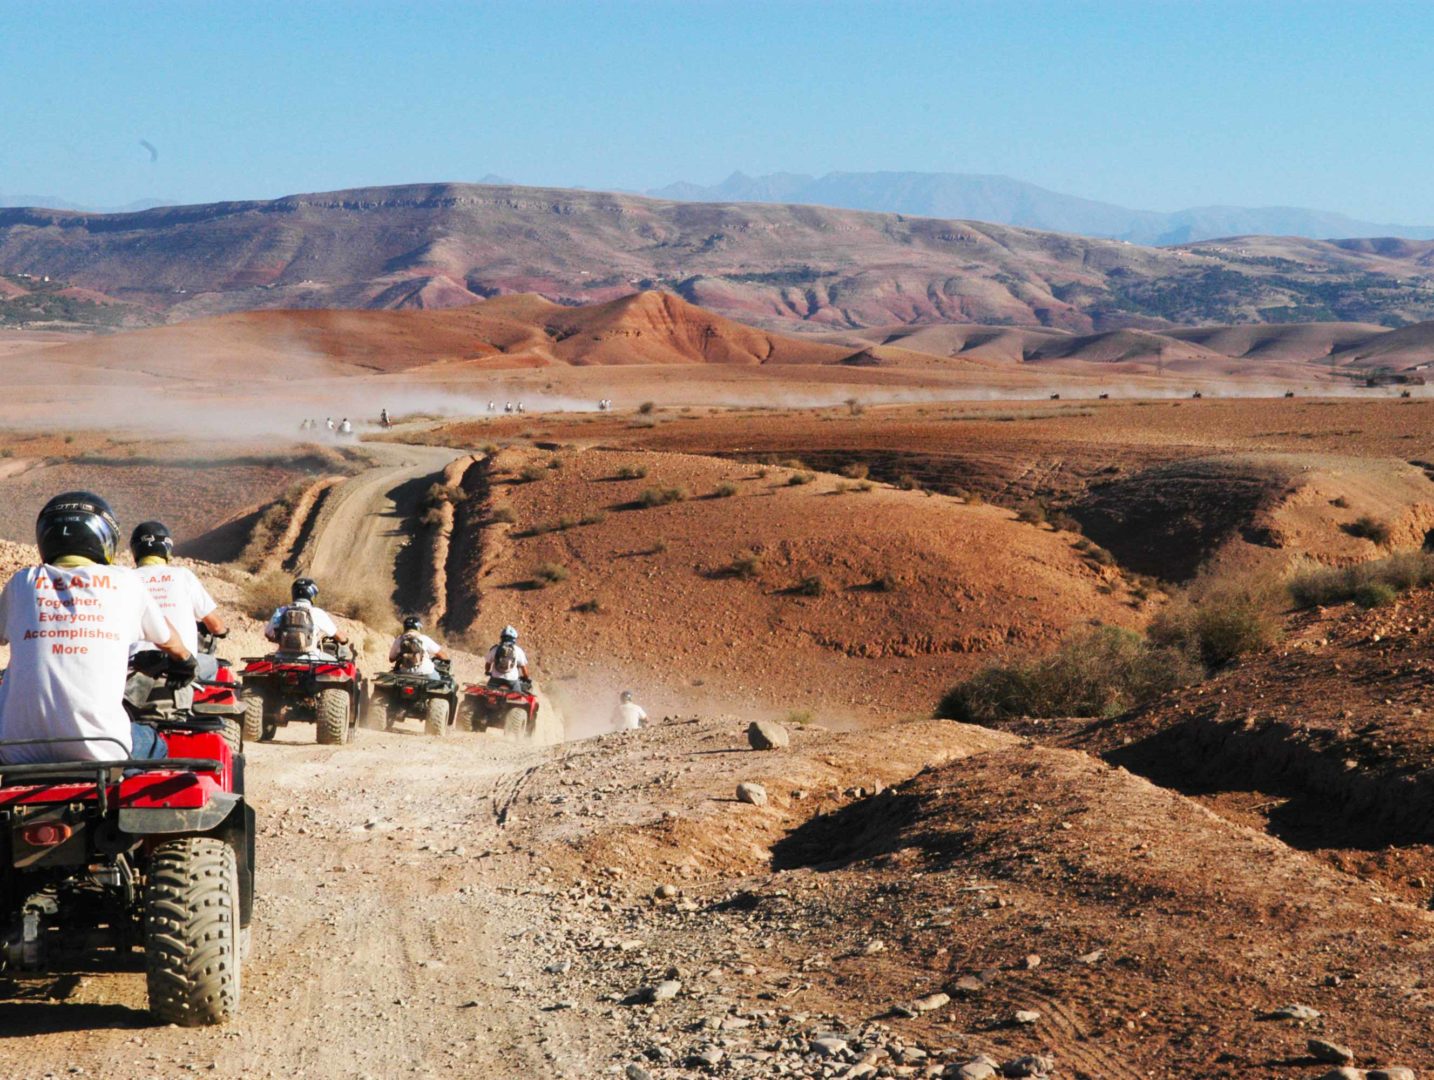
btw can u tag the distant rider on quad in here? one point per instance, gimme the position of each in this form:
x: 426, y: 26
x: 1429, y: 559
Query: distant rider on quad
x: 299, y: 626
x: 506, y: 664
x: 413, y: 651
x: 69, y: 623
x: 184, y: 601
x: 629, y: 715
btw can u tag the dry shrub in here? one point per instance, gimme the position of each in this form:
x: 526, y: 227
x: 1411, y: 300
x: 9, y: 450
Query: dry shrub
x: 265, y: 592
x: 746, y: 565
x: 1369, y: 528
x: 1099, y: 672
x: 856, y: 470
x: 531, y: 473
x: 368, y: 607
x: 503, y: 514
x: 1319, y: 586
x: 907, y: 482
x: 1219, y: 619
x: 630, y: 472
x: 811, y: 585
x: 1032, y: 514
x: 724, y: 491
x: 798, y: 479
x: 550, y: 572
x: 662, y: 496
x: 647, y: 407
x: 588, y: 607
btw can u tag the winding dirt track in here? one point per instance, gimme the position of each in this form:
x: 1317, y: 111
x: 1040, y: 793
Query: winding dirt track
x: 360, y: 532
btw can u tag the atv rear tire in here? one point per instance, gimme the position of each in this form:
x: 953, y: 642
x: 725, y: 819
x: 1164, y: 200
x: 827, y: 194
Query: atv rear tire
x: 515, y: 722
x: 333, y: 717
x: 254, y: 717
x: 375, y: 715
x: 233, y: 734
x: 192, y: 936
x: 435, y: 720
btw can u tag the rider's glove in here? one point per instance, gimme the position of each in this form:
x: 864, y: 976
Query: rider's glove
x: 181, y: 672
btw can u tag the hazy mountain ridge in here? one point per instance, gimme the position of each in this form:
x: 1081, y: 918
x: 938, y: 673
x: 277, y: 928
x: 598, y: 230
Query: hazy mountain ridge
x: 1006, y: 201
x: 778, y: 266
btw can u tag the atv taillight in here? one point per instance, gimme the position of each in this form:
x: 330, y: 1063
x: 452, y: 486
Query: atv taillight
x: 47, y: 835
x: 408, y: 691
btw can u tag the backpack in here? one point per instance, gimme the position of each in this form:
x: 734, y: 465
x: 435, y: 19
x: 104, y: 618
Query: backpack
x: 296, y: 630
x: 410, y: 652
x: 505, y: 659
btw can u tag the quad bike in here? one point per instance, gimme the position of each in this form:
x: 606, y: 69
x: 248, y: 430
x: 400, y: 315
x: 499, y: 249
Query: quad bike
x: 216, y: 700
x: 284, y: 687
x: 156, y: 855
x: 397, y: 695
x: 493, y: 704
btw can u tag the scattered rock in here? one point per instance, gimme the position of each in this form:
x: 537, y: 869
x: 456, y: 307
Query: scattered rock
x: 1342, y: 1073
x: 968, y: 985
x: 1390, y: 1072
x: 978, y: 1068
x: 652, y: 995
x: 1093, y: 957
x: 755, y: 794
x: 1031, y: 962
x: 1026, y: 1016
x: 709, y: 1057
x: 767, y: 735
x: 931, y: 1002
x: 1329, y: 1052
x: 1293, y: 1012
x: 828, y: 1046
x: 1028, y: 1065
x: 665, y: 892
x: 636, y: 1072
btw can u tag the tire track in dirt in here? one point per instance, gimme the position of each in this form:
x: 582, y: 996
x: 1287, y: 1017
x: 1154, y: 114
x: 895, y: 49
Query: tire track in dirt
x: 1069, y: 1041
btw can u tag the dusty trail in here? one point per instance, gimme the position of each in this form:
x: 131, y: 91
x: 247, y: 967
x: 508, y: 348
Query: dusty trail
x: 374, y: 928
x: 355, y: 543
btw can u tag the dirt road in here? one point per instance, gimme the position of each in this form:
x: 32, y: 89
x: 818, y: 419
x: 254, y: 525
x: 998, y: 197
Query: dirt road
x: 355, y: 543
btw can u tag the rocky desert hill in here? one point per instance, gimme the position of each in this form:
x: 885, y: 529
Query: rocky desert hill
x: 445, y: 245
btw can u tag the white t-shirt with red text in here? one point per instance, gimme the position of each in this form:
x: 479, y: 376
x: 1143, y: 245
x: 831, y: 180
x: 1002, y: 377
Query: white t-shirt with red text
x: 181, y: 597
x: 69, y: 631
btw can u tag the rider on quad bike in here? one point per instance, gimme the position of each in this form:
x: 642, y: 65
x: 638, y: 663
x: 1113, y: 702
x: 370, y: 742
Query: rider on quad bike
x: 108, y: 831
x: 506, y: 664
x: 413, y: 652
x: 185, y: 602
x: 420, y: 684
x: 69, y: 623
x: 299, y: 626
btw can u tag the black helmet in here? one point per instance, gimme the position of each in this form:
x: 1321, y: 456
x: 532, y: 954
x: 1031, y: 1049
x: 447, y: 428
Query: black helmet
x: 151, y: 538
x: 412, y: 622
x: 304, y: 589
x: 77, y: 523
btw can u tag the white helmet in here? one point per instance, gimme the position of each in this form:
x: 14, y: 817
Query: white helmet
x: 509, y: 634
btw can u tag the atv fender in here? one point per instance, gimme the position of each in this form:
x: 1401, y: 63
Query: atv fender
x: 151, y: 820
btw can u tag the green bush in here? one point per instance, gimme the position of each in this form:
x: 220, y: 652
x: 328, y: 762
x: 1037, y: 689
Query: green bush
x: 1099, y: 672
x: 1218, y: 621
x: 1320, y: 586
x: 1373, y: 594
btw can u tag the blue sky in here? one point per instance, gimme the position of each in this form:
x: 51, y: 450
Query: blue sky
x: 1152, y: 105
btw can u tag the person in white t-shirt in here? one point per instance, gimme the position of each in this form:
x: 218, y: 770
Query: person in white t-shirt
x: 69, y: 623
x: 304, y: 592
x: 181, y: 596
x: 413, y: 651
x: 629, y: 715
x: 506, y: 664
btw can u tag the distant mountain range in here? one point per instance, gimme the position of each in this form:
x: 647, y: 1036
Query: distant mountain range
x: 1005, y: 201
x: 782, y: 267
x: 51, y: 202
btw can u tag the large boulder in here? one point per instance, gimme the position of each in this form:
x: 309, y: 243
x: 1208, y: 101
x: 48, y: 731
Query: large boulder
x: 768, y: 735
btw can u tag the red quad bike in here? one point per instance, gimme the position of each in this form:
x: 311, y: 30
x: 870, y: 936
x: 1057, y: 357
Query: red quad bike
x: 396, y: 695
x: 216, y: 701
x: 284, y: 687
x: 490, y: 706
x: 155, y: 855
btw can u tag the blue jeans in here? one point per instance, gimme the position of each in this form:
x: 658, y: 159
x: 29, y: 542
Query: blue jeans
x: 148, y: 744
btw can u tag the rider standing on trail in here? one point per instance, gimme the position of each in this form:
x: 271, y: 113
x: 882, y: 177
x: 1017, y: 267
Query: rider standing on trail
x: 287, y: 626
x: 345, y: 428
x: 629, y: 715
x: 180, y: 596
x: 506, y: 664
x: 413, y: 651
x: 383, y: 417
x: 69, y: 623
